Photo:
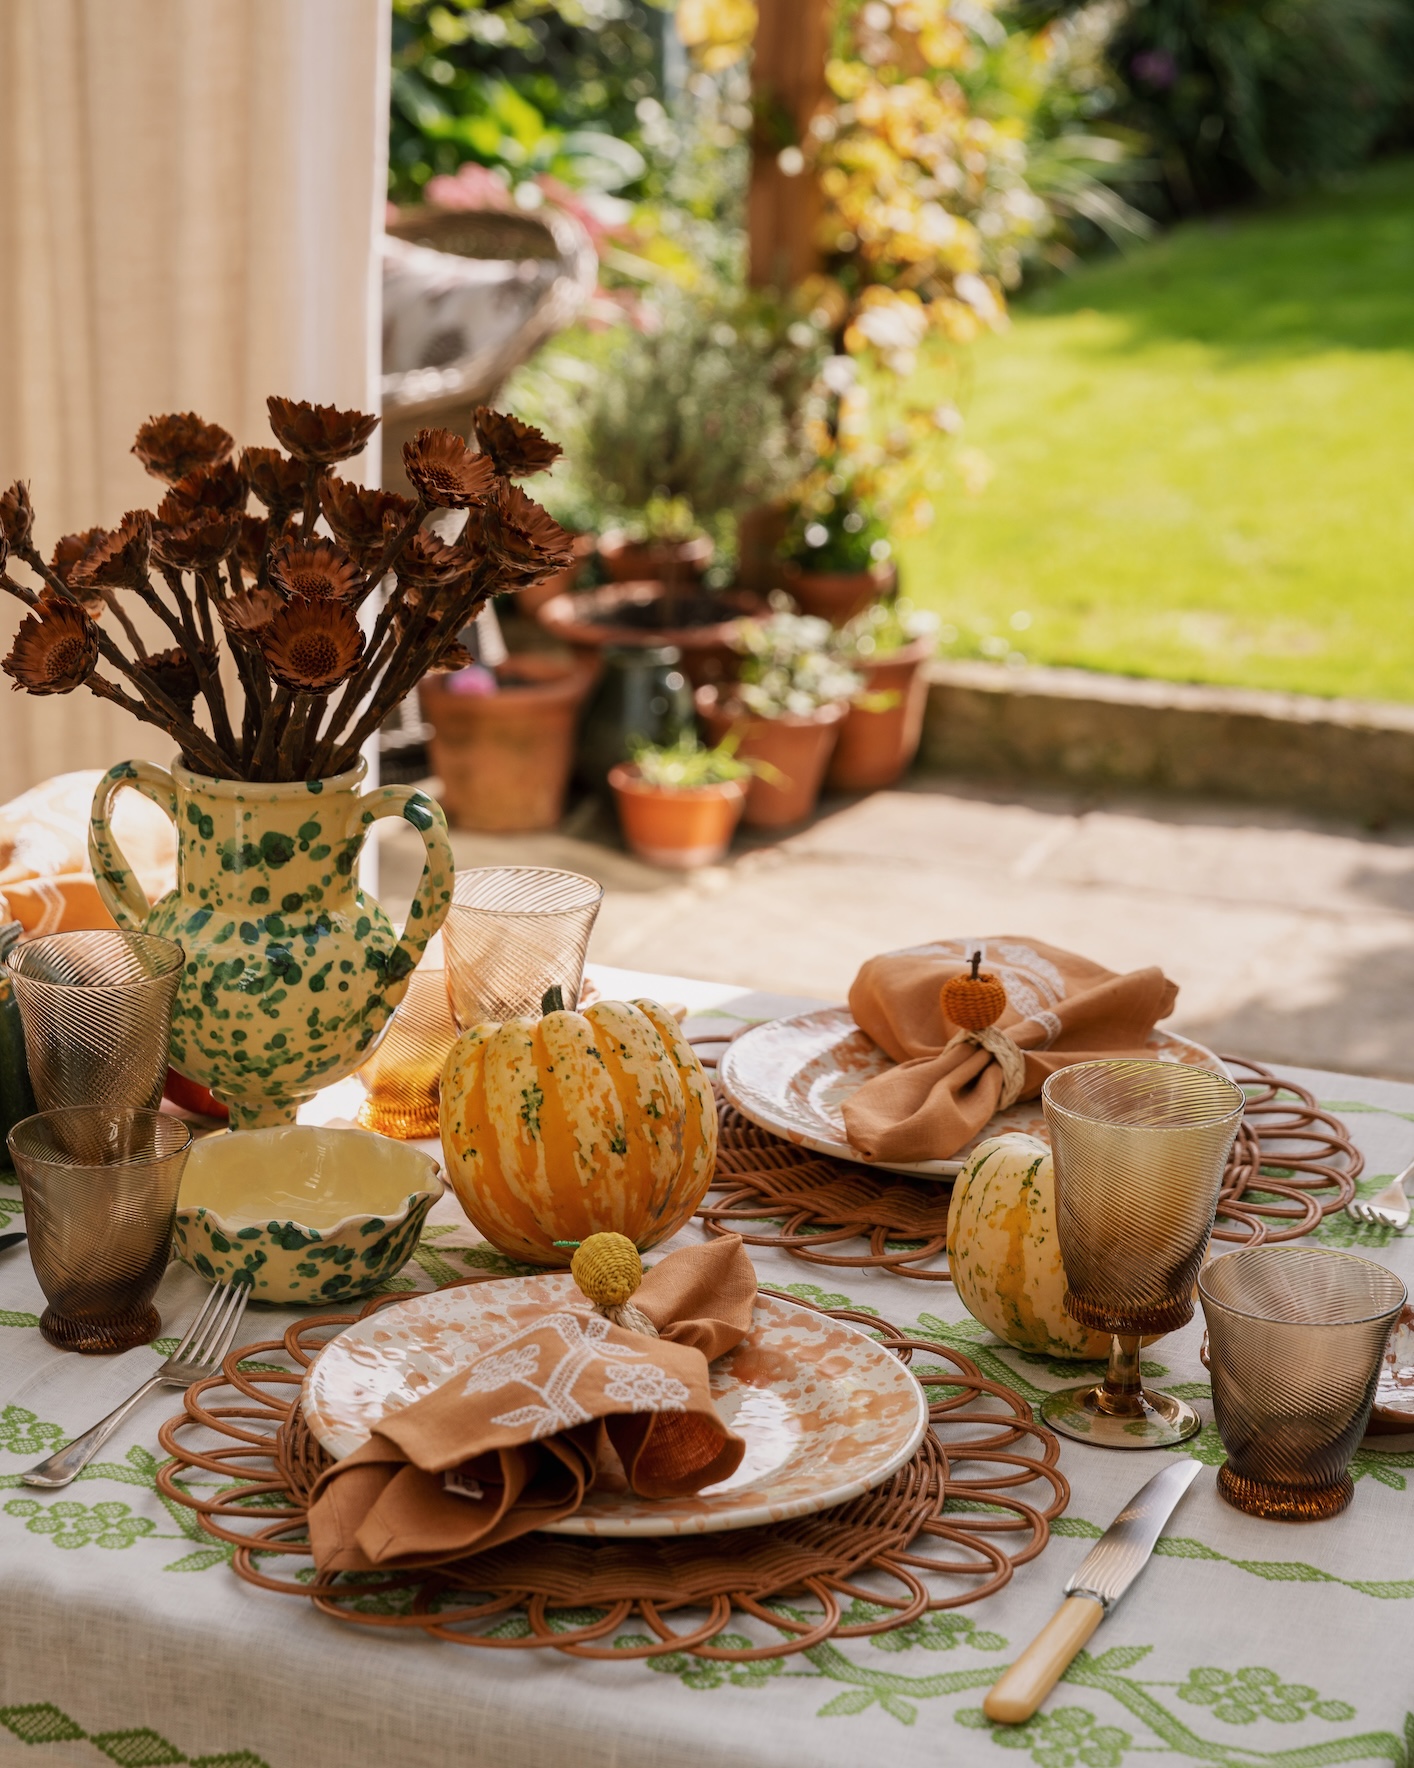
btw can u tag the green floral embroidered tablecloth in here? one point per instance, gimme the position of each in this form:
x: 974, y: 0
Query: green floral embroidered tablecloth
x: 125, y: 1638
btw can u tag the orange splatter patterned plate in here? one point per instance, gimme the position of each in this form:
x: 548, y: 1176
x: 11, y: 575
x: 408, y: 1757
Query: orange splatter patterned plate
x: 826, y: 1411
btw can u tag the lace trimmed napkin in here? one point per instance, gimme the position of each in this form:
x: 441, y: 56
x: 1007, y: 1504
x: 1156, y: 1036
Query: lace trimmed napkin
x: 516, y: 1440
x: 948, y: 1086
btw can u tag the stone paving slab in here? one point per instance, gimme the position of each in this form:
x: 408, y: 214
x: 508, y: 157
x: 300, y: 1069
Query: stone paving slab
x: 1291, y: 940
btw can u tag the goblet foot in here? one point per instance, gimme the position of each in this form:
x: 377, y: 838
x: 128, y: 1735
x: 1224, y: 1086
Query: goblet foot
x: 118, y: 1332
x: 1284, y: 1503
x: 1149, y: 1421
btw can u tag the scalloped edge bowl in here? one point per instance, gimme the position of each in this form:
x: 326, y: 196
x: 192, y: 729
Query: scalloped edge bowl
x: 311, y: 1216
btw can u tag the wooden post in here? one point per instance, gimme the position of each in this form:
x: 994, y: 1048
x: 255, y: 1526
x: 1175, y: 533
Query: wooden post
x: 787, y: 88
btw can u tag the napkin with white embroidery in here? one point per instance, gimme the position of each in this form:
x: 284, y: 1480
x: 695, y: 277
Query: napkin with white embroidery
x: 516, y: 1439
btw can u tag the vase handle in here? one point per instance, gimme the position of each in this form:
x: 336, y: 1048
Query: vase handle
x: 118, y: 888
x: 434, y: 890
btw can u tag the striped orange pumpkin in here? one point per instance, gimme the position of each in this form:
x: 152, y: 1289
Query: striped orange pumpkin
x: 576, y: 1124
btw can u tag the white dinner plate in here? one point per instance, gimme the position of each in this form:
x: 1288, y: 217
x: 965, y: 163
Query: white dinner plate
x: 793, y: 1076
x: 826, y: 1411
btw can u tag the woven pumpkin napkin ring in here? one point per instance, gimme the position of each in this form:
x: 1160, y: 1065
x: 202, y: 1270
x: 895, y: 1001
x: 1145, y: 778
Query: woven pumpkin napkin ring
x: 975, y: 1002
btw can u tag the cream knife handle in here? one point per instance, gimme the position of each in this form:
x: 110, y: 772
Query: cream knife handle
x: 1036, y: 1672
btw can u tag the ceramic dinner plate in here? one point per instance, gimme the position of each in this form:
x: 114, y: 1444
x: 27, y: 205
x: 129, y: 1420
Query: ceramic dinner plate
x: 1394, y: 1397
x: 826, y: 1411
x: 793, y: 1076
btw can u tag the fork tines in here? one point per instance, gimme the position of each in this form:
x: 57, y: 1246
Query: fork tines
x: 209, y: 1336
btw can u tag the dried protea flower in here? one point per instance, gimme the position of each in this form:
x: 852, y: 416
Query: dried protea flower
x: 118, y: 558
x: 530, y: 541
x: 516, y: 449
x: 206, y: 491
x: 314, y: 571
x: 171, y: 447
x: 54, y: 651
x: 72, y: 549
x: 455, y: 656
x: 198, y: 546
x: 362, y: 518
x: 249, y: 609
x: 428, y: 563
x: 16, y: 515
x: 318, y: 434
x: 275, y: 479
x: 311, y: 647
x: 444, y: 471
x: 175, y: 674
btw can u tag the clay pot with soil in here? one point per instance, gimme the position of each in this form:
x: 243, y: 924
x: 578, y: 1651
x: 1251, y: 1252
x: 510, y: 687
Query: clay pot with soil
x: 677, y: 827
x: 792, y: 750
x: 881, y: 733
x: 678, y: 562
x: 837, y: 596
x: 504, y: 756
x: 650, y: 615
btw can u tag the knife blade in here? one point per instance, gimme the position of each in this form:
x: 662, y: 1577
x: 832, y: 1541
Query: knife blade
x: 10, y: 1240
x: 1103, y: 1576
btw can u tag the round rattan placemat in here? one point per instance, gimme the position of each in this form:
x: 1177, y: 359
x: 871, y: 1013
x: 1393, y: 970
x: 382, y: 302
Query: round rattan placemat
x: 947, y: 1529
x: 1292, y: 1164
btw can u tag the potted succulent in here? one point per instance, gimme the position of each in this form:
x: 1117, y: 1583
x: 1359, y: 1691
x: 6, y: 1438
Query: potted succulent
x: 785, y: 711
x: 292, y: 972
x: 503, y: 739
x: 679, y: 803
x: 836, y: 559
x: 888, y: 645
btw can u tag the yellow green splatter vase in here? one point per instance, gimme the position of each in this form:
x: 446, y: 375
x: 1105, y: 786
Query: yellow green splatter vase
x: 292, y: 972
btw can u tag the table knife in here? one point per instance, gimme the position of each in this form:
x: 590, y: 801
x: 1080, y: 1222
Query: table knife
x: 10, y: 1240
x: 1106, y: 1572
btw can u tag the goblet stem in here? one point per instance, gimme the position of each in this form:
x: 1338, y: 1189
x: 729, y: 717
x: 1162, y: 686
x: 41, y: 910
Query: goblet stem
x: 1122, y: 1393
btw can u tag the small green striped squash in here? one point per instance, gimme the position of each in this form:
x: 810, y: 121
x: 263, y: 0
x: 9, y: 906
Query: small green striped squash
x: 1004, y: 1254
x: 577, y: 1124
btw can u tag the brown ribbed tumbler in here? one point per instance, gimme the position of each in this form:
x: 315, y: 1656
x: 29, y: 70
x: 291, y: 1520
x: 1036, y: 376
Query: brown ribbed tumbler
x: 1140, y: 1149
x: 97, y: 1013
x: 512, y: 934
x: 402, y: 1080
x: 99, y: 1188
x: 1296, y: 1335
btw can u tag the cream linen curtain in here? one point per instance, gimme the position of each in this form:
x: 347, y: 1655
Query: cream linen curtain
x: 191, y: 194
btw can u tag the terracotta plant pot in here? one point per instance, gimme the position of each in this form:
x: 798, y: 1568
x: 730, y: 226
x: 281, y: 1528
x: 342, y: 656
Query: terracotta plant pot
x: 798, y: 748
x: 504, y: 758
x: 679, y: 828
x: 838, y: 596
x: 649, y: 615
x: 530, y: 601
x: 875, y: 748
x: 654, y: 561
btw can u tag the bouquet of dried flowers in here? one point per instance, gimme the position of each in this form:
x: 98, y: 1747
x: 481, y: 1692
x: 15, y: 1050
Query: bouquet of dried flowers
x: 282, y: 594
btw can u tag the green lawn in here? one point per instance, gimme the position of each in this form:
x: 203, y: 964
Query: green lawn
x: 1202, y: 458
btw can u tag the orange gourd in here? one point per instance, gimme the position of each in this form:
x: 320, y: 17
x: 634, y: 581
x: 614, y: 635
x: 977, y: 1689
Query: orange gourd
x: 574, y: 1124
x: 973, y: 1001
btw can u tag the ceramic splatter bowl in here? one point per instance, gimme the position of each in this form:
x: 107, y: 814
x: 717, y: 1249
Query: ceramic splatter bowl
x: 310, y: 1216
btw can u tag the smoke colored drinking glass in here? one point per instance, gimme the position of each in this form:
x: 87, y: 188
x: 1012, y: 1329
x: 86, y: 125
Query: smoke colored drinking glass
x: 99, y: 1187
x: 1296, y: 1335
x: 97, y: 1013
x: 512, y: 934
x: 1140, y: 1149
x: 402, y: 1078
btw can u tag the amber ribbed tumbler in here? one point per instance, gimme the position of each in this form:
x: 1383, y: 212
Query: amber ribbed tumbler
x: 402, y: 1079
x: 1296, y: 1336
x: 99, y: 1188
x: 1140, y: 1149
x: 97, y: 1014
x: 512, y: 934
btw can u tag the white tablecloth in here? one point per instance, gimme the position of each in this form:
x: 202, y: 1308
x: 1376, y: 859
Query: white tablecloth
x: 125, y: 1636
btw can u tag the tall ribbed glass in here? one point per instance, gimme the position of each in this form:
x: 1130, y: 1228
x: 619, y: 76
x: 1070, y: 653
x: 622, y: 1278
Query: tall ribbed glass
x: 1140, y: 1149
x: 512, y: 934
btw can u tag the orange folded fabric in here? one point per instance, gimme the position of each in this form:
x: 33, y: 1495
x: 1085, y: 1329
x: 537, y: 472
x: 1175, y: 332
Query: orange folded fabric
x: 45, y: 880
x: 1060, y: 1009
x: 515, y: 1440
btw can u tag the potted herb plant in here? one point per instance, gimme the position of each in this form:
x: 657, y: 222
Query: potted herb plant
x: 679, y: 804
x: 785, y: 711
x: 888, y: 646
x: 836, y: 559
x: 291, y: 972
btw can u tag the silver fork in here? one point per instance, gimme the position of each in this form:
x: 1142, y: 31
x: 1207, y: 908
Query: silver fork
x: 1390, y: 1209
x: 199, y: 1354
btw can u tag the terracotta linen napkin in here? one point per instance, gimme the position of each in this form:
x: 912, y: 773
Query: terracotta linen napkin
x: 46, y: 883
x: 1060, y: 1009
x: 515, y: 1440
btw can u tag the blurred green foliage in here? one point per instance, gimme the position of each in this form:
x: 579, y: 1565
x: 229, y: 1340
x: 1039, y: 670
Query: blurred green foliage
x: 567, y: 88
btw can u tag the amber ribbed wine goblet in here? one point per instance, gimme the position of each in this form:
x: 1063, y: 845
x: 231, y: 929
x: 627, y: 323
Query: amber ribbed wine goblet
x: 1140, y: 1149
